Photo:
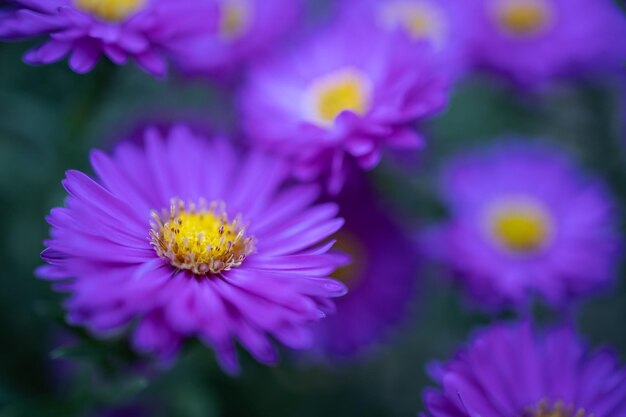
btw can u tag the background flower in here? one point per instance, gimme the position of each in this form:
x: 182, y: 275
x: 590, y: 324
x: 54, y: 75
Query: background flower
x: 246, y: 29
x: 342, y: 97
x: 219, y: 254
x: 534, y: 42
x: 524, y: 220
x: 516, y: 370
x: 445, y: 25
x: 381, y: 277
x: 147, y: 31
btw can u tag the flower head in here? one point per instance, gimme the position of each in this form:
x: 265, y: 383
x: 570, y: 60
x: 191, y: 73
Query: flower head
x: 443, y: 24
x: 523, y: 221
x: 534, y: 42
x: 515, y: 370
x: 190, y: 240
x: 341, y: 98
x: 381, y: 276
x: 149, y: 32
x: 245, y: 30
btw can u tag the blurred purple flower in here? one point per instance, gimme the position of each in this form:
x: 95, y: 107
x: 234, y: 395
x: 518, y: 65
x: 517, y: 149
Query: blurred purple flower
x: 147, y: 31
x: 533, y: 42
x: 523, y: 221
x: 245, y: 30
x: 513, y: 370
x: 443, y: 24
x: 381, y: 277
x: 189, y: 239
x: 341, y: 97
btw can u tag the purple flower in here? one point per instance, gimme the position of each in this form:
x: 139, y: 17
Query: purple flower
x: 146, y: 31
x: 341, y: 97
x: 523, y: 221
x: 245, y: 30
x: 381, y: 277
x: 188, y: 239
x: 533, y: 42
x: 444, y: 24
x: 514, y: 370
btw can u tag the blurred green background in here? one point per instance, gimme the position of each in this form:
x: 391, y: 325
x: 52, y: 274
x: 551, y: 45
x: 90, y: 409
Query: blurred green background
x: 49, y: 120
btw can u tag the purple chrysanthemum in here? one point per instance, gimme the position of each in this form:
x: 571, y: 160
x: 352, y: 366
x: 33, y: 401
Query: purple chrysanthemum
x: 444, y: 24
x: 523, y: 221
x: 513, y: 370
x: 381, y: 276
x: 342, y: 96
x: 533, y: 42
x: 147, y: 31
x: 188, y: 239
x: 245, y: 30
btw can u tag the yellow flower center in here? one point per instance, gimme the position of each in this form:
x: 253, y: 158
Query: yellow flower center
x: 235, y: 18
x: 557, y: 410
x: 421, y: 20
x: 351, y: 273
x: 520, y: 225
x: 200, y: 238
x: 110, y: 10
x: 347, y: 89
x: 523, y: 17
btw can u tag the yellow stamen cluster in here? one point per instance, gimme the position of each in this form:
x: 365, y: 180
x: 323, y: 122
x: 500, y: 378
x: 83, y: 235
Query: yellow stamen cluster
x: 351, y: 273
x: 110, y: 10
x: 234, y: 18
x: 347, y: 89
x: 421, y: 20
x: 556, y: 410
x: 200, y: 238
x: 520, y: 226
x: 523, y: 17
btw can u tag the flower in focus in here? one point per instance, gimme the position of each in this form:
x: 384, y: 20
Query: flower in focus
x: 340, y: 98
x: 441, y: 23
x: 533, y: 42
x: 245, y: 30
x: 523, y: 221
x: 147, y: 31
x: 188, y: 239
x: 381, y: 276
x: 515, y: 370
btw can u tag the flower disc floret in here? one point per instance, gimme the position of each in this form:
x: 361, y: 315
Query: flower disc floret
x: 420, y: 20
x: 111, y: 10
x: 200, y: 238
x: 343, y: 90
x: 523, y: 17
x: 556, y: 410
x: 234, y: 20
x: 519, y: 224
